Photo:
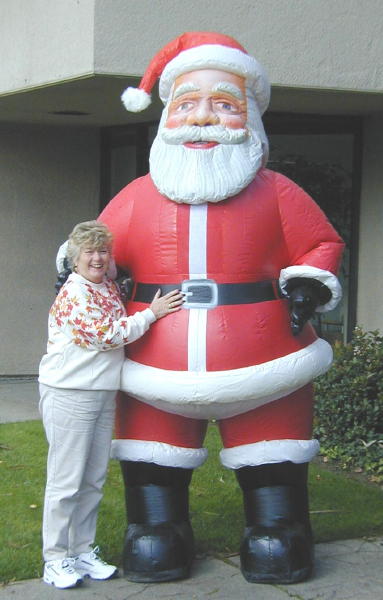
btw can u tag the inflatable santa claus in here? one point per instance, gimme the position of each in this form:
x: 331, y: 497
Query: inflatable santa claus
x: 255, y: 258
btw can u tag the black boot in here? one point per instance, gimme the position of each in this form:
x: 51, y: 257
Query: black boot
x: 159, y: 543
x: 277, y: 546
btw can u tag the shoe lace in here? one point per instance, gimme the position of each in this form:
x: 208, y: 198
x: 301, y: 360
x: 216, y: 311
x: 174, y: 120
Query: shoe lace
x: 95, y: 555
x: 67, y: 565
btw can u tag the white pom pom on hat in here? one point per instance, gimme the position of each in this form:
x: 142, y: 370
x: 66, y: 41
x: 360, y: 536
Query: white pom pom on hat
x: 198, y: 50
x: 135, y: 99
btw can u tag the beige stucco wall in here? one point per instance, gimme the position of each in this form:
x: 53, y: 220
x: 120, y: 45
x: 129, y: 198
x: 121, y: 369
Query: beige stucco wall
x: 49, y: 181
x: 49, y: 176
x: 309, y: 43
x: 44, y: 41
x: 369, y: 311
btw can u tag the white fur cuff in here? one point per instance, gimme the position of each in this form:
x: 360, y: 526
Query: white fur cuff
x: 326, y: 277
x: 159, y: 453
x: 274, y: 451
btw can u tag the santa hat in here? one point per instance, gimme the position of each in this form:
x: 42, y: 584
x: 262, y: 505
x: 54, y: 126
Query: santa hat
x: 198, y: 50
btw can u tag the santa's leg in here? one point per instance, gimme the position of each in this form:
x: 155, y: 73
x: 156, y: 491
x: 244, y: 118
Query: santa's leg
x: 159, y: 538
x: 277, y: 545
x: 158, y: 452
x: 269, y: 448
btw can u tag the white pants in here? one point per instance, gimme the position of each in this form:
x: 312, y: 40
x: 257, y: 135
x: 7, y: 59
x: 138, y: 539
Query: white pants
x: 78, y: 425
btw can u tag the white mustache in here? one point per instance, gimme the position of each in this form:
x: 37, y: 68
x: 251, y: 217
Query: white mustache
x: 210, y: 133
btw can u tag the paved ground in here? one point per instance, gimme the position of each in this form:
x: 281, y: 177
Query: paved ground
x: 19, y: 400
x: 347, y: 570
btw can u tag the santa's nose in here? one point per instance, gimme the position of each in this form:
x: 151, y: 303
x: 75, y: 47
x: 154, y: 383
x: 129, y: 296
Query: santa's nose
x: 203, y: 114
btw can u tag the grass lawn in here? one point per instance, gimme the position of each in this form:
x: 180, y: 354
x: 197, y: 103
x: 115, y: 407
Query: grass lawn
x: 341, y: 508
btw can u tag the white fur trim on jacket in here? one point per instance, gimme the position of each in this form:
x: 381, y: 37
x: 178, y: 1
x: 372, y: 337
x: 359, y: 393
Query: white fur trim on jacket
x: 215, y: 56
x: 274, y: 451
x: 159, y: 453
x: 325, y: 277
x: 61, y: 256
x: 222, y: 394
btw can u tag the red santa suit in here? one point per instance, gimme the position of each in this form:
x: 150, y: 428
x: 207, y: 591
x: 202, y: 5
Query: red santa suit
x: 231, y: 355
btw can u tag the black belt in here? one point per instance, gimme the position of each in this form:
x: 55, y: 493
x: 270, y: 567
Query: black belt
x: 207, y: 292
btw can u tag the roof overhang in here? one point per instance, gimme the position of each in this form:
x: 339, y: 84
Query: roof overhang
x: 94, y: 101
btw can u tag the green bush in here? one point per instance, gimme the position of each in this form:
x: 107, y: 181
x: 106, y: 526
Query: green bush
x: 349, y: 405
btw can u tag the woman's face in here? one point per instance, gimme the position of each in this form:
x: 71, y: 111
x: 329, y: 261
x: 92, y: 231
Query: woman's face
x: 92, y: 264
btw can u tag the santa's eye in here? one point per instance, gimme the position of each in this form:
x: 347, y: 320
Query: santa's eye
x: 226, y: 106
x: 184, y: 106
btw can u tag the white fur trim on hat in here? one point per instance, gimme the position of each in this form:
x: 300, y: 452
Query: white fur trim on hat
x: 135, y: 99
x: 215, y: 56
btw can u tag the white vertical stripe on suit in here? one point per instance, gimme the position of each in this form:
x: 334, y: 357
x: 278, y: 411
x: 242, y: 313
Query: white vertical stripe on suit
x: 197, y: 270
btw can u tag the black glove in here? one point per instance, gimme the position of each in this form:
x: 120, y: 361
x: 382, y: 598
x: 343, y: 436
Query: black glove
x: 125, y: 284
x: 63, y: 276
x: 304, y: 296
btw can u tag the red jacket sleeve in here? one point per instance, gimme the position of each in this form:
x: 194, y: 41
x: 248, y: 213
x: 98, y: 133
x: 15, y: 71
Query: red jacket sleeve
x: 310, y: 238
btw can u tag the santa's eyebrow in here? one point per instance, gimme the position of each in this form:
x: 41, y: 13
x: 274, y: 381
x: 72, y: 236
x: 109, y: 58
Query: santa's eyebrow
x: 229, y: 88
x: 184, y: 88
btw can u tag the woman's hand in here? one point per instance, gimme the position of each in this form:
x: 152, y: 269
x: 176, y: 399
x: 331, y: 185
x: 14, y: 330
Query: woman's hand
x: 164, y: 305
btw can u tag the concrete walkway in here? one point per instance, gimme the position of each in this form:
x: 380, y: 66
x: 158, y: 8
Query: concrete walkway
x: 347, y: 570
x: 19, y: 400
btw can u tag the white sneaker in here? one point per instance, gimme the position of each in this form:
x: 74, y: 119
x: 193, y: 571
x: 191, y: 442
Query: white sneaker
x: 61, y: 573
x: 89, y: 564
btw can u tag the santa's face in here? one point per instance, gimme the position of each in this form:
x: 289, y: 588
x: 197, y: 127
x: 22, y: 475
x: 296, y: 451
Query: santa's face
x: 205, y: 150
x: 206, y: 98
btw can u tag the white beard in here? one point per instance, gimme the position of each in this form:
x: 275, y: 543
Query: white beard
x: 195, y: 176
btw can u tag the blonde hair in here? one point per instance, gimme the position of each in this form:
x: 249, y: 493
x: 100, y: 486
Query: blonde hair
x: 89, y: 234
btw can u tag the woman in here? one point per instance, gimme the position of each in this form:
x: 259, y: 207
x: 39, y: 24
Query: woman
x: 79, y: 376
